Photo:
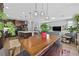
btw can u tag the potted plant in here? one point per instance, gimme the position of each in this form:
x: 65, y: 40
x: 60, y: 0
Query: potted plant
x: 11, y: 29
x: 44, y: 30
x: 71, y: 29
x: 76, y: 18
x: 2, y: 17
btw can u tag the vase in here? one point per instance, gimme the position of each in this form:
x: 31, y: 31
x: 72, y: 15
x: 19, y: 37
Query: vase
x: 44, y: 34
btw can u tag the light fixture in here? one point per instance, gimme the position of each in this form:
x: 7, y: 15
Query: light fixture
x: 47, y: 17
x: 35, y: 12
x: 42, y: 12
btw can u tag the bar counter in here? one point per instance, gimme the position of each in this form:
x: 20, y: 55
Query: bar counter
x: 36, y: 46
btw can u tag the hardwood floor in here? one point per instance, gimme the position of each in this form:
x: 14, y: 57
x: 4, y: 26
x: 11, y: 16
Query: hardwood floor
x: 64, y: 50
x: 54, y: 50
x: 70, y: 47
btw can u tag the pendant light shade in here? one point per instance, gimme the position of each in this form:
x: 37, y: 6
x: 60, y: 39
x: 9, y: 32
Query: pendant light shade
x: 47, y: 17
x: 42, y: 12
x: 35, y: 12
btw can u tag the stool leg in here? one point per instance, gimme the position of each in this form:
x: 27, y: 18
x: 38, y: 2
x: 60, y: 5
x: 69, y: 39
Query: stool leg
x: 13, y: 51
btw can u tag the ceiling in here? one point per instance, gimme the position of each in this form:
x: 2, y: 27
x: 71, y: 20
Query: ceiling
x: 57, y: 10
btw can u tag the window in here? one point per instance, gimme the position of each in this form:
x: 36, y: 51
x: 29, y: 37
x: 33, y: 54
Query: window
x: 70, y: 23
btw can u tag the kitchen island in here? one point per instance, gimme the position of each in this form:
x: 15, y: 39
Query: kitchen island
x: 35, y: 46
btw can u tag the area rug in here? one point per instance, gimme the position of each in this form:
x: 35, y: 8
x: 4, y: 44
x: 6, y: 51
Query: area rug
x: 65, y: 52
x: 68, y: 50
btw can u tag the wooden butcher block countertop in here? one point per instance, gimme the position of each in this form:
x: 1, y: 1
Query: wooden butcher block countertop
x: 35, y: 45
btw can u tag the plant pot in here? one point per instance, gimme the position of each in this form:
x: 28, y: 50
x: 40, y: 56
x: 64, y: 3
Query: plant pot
x: 44, y: 34
x: 1, y: 43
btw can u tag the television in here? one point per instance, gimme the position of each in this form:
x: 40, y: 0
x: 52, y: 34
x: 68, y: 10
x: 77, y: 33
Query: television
x: 56, y: 28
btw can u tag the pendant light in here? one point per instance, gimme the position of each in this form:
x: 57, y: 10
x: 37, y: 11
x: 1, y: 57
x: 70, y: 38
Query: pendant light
x: 30, y: 14
x: 42, y: 12
x: 47, y: 17
x: 35, y: 12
